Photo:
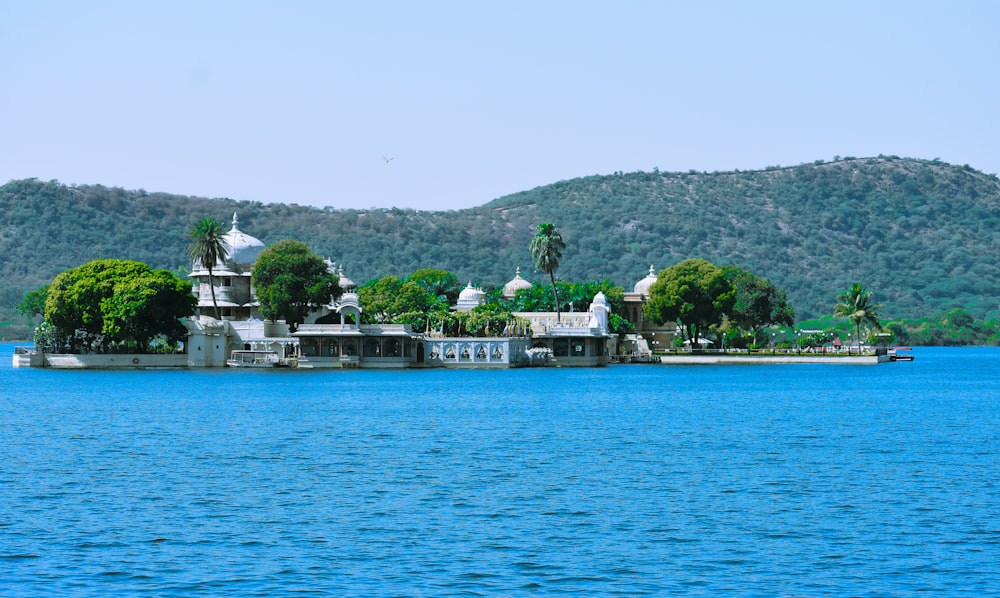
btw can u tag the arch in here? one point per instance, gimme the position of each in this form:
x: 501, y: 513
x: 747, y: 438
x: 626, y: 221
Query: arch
x: 372, y: 348
x: 392, y: 347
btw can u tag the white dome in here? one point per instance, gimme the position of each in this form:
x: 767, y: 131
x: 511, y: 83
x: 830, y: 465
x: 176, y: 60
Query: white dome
x: 515, y: 284
x: 470, y: 298
x: 642, y: 287
x: 243, y: 249
x: 349, y: 299
x: 470, y: 294
x: 600, y: 299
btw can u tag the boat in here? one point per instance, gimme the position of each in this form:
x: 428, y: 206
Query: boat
x: 242, y: 358
x: 895, y: 355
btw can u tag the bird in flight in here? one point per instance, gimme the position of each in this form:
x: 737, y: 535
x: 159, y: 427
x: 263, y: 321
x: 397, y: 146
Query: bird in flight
x: 387, y: 160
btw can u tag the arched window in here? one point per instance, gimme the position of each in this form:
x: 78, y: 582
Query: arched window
x: 497, y: 352
x: 392, y: 347
x: 332, y: 348
x: 372, y: 348
x: 481, y: 353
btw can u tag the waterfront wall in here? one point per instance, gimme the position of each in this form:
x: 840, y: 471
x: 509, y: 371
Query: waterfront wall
x: 682, y: 359
x: 95, y: 361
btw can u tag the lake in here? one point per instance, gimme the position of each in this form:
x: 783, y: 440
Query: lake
x: 632, y: 480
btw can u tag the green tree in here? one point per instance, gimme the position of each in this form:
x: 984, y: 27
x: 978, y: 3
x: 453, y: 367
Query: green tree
x: 546, y: 247
x: 34, y: 302
x: 694, y: 293
x: 486, y: 320
x: 142, y: 308
x: 758, y: 303
x: 856, y: 305
x: 440, y: 285
x: 118, y: 302
x: 538, y: 298
x: 389, y: 298
x: 291, y: 281
x: 208, y: 246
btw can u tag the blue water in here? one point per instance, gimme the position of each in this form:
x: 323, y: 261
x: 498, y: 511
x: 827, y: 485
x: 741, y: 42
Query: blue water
x: 761, y: 480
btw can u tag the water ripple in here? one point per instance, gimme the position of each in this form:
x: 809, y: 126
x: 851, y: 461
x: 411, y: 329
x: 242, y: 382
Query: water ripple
x: 622, y: 481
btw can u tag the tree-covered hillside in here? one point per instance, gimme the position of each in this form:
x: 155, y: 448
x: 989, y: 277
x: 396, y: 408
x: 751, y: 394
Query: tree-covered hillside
x: 924, y: 235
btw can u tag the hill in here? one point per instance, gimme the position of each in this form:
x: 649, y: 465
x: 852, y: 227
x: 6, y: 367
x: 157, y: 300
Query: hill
x: 925, y: 235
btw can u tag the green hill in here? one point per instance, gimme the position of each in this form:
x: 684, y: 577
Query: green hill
x: 925, y: 235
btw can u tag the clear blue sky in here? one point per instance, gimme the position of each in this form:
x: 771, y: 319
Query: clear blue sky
x: 302, y: 101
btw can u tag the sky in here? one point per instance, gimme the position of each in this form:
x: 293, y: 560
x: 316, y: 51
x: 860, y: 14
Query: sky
x: 441, y: 105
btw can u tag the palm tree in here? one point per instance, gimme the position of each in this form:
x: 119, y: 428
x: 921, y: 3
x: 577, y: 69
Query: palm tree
x: 856, y: 305
x: 209, y: 246
x: 546, y: 248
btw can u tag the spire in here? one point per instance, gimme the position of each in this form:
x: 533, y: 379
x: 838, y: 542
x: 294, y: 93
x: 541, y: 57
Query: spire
x: 236, y: 220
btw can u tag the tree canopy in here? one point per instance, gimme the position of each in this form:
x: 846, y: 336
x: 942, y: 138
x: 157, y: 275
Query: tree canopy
x: 758, y: 303
x: 118, y: 304
x: 291, y: 281
x: 441, y: 285
x: 856, y: 304
x: 695, y: 293
x: 388, y: 298
x: 546, y: 247
x: 209, y: 246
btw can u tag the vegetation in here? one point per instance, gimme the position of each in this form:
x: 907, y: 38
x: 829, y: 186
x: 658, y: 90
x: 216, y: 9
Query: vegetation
x: 694, y: 293
x: 547, y: 247
x: 208, y: 247
x: 856, y: 305
x: 575, y: 297
x: 758, y: 303
x: 923, y: 232
x: 390, y: 299
x: 954, y: 327
x: 291, y: 281
x: 116, y: 305
x: 441, y: 286
x: 423, y: 306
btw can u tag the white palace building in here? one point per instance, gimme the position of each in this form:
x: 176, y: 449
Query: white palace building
x: 334, y: 337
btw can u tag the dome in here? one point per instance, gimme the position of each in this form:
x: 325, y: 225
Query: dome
x: 642, y: 287
x: 470, y: 298
x: 349, y: 299
x: 243, y: 249
x: 515, y: 284
x: 600, y: 299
